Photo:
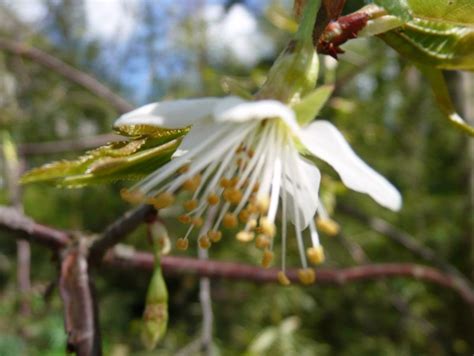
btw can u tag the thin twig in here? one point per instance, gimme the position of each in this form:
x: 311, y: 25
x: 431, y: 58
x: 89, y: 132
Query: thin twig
x: 400, y: 237
x: 466, y: 95
x: 24, y: 227
x: 118, y: 230
x: 13, y: 168
x: 235, y: 271
x: 408, y: 242
x: 79, y: 144
x: 74, y: 75
x: 401, y: 305
x: 206, y: 307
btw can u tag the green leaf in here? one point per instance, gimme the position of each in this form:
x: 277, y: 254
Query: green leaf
x: 148, y: 149
x: 438, y: 44
x: 453, y: 11
x: 436, y: 32
x: 310, y: 106
x: 397, y: 8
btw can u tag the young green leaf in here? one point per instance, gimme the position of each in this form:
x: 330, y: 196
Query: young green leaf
x: 148, y: 148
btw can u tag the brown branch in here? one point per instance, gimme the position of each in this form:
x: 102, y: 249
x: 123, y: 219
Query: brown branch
x: 79, y: 144
x: 80, y: 317
x: 118, y: 230
x: 74, y: 75
x: 21, y: 226
x: 27, y: 228
x: 235, y: 271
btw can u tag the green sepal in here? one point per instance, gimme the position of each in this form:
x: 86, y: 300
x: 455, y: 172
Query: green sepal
x: 310, y: 106
x: 235, y: 87
x: 295, y: 71
x: 149, y: 148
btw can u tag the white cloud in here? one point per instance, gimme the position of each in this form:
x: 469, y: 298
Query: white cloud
x: 236, y: 35
x: 111, y: 20
x: 107, y: 20
x: 29, y: 11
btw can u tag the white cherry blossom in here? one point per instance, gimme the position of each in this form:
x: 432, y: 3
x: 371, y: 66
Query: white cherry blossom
x: 241, y: 165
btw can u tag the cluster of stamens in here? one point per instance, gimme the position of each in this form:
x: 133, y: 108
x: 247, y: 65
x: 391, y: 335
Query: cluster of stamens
x: 225, y: 193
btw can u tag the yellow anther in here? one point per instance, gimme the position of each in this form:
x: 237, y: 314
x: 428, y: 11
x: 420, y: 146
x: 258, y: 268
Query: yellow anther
x: 262, y: 242
x: 204, y: 242
x: 245, y: 236
x: 162, y: 200
x: 283, y: 279
x: 224, y: 183
x: 230, y: 221
x: 232, y: 195
x: 307, y: 275
x: 182, y: 244
x: 315, y: 254
x: 251, y: 224
x: 250, y: 152
x: 256, y: 186
x: 267, y: 258
x: 192, y: 184
x: 183, y: 169
x: 197, y: 222
x: 267, y: 228
x: 213, y: 199
x: 328, y: 226
x: 214, y: 235
x: 190, y: 205
x: 133, y: 197
x: 262, y: 204
x: 233, y: 182
x: 252, y: 208
x: 185, y: 219
x: 244, y: 216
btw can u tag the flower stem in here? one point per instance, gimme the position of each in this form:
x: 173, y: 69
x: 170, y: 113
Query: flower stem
x: 295, y: 72
x: 310, y: 12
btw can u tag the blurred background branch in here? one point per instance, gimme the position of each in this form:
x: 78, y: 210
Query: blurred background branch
x: 70, y: 73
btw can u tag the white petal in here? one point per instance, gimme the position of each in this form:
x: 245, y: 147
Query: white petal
x: 170, y: 114
x: 200, y: 133
x: 325, y: 141
x: 238, y: 110
x: 305, y: 178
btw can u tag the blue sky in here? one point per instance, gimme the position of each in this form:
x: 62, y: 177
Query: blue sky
x: 116, y: 26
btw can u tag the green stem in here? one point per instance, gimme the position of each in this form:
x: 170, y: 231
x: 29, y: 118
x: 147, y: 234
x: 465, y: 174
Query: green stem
x: 305, y: 30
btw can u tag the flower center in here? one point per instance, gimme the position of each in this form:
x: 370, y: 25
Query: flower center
x: 226, y: 186
x: 234, y: 177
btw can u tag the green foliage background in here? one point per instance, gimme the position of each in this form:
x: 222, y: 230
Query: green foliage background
x: 385, y: 109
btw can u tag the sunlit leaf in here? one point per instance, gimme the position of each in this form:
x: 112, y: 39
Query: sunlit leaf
x: 149, y: 148
x: 438, y: 33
